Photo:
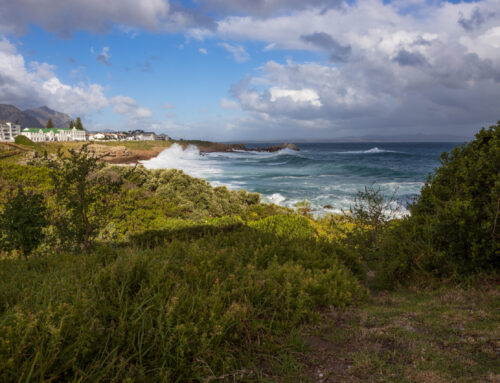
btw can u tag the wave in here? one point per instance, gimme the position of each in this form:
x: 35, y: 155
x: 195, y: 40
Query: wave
x: 374, y: 150
x: 188, y: 160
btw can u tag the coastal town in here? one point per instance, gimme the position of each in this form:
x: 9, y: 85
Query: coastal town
x: 75, y: 132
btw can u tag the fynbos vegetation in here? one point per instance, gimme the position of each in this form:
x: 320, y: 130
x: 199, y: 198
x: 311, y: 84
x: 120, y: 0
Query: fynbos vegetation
x: 124, y: 274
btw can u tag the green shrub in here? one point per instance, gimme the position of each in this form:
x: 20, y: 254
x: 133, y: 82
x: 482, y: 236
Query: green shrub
x: 458, y: 209
x: 22, y: 221
x: 23, y: 140
x: 454, y: 227
x: 188, y: 311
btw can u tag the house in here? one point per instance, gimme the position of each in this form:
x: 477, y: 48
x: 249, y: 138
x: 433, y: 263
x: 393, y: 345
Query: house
x: 141, y: 135
x: 8, y: 131
x: 54, y: 134
x: 96, y: 136
x: 146, y: 136
x: 162, y: 137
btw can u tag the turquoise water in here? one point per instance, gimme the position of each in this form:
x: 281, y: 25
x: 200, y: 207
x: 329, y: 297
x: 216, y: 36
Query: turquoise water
x: 323, y: 173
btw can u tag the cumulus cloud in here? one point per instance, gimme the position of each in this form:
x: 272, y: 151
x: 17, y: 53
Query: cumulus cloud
x: 238, y: 51
x: 28, y: 85
x: 203, y: 50
x: 405, y: 57
x: 267, y: 8
x: 477, y: 18
x: 129, y: 108
x: 64, y: 17
x: 337, y: 51
x: 67, y: 16
x: 36, y: 84
x: 387, y: 68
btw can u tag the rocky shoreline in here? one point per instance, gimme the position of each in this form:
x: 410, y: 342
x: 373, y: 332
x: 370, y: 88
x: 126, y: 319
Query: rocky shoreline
x: 124, y: 155
x: 228, y: 148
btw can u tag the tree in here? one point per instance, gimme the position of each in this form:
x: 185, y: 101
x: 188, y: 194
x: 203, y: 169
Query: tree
x: 50, y: 124
x: 78, y: 124
x: 83, y: 192
x: 22, y: 221
x: 71, y: 124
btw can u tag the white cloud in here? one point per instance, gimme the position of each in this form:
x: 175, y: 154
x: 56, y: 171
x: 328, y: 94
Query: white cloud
x: 36, y: 84
x: 129, y: 108
x: 228, y: 104
x: 401, y: 66
x: 297, y: 96
x: 203, y: 50
x: 238, y: 51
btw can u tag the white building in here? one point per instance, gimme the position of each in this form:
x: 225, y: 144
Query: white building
x: 61, y: 135
x: 8, y: 131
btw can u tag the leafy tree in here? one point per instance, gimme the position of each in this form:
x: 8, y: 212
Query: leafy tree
x: 78, y: 124
x: 71, y: 124
x: 22, y: 221
x: 84, y: 192
x: 50, y: 124
x: 458, y: 209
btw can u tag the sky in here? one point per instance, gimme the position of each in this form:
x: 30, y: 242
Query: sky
x: 257, y: 69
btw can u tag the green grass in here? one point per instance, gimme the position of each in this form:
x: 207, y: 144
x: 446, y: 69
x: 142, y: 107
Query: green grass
x: 412, y: 335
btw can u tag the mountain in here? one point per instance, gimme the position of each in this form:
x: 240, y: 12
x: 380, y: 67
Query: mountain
x: 42, y: 115
x: 12, y: 114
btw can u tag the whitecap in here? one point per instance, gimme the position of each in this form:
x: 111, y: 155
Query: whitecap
x: 189, y: 160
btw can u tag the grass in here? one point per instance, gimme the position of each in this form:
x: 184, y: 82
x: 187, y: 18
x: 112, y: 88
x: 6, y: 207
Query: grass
x: 412, y: 335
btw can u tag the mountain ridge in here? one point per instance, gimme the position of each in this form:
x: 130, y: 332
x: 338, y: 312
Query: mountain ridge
x: 34, y: 118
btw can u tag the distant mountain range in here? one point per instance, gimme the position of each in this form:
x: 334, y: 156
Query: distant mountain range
x: 34, y: 118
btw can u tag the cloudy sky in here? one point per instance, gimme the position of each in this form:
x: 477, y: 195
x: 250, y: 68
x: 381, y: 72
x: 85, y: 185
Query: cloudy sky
x: 256, y: 69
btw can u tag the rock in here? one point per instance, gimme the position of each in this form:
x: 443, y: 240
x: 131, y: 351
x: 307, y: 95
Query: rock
x: 290, y: 146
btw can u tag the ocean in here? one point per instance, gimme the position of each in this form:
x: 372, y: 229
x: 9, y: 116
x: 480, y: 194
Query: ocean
x: 328, y: 175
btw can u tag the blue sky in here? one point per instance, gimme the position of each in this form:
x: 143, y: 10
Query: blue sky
x: 227, y: 70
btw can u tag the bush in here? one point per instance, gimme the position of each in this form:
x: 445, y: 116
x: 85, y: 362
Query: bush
x: 23, y: 140
x: 189, y: 311
x: 458, y: 209
x: 454, y: 227
x: 22, y: 221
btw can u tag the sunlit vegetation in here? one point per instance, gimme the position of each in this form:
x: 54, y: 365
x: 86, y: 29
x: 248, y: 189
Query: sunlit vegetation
x: 140, y: 275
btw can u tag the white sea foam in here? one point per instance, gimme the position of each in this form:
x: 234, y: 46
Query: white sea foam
x: 276, y: 198
x: 374, y: 150
x: 189, y: 160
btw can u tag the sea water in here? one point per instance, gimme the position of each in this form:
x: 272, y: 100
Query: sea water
x: 328, y: 175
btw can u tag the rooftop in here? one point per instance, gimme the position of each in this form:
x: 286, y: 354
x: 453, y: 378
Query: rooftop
x: 45, y: 130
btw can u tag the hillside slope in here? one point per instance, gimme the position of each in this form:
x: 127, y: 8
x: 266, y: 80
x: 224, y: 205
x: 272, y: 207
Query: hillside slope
x: 13, y: 114
x: 43, y: 113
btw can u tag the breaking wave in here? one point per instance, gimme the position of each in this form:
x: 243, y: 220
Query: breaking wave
x: 321, y: 173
